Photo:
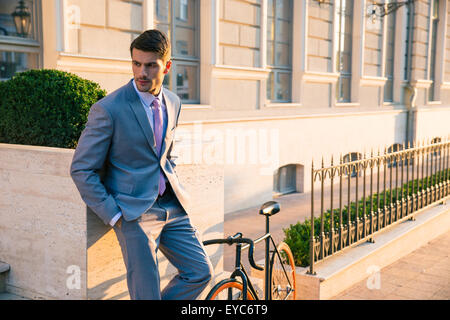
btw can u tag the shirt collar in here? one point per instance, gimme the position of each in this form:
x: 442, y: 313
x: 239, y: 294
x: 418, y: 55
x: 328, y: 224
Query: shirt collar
x: 146, y: 97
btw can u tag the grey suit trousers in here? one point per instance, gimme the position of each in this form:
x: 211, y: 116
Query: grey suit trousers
x: 166, y: 227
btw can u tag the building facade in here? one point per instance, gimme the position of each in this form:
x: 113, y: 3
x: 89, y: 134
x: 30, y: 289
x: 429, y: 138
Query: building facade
x: 267, y: 85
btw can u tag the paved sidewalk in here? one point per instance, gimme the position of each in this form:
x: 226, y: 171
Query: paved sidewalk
x: 294, y: 208
x: 423, y: 274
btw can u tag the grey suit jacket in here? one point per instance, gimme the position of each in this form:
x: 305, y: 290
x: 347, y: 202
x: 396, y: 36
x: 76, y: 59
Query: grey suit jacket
x: 118, y: 140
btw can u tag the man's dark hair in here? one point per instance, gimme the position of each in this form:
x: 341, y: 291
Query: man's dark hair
x: 152, y: 41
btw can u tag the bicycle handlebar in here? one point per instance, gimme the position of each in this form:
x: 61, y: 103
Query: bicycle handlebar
x: 237, y: 238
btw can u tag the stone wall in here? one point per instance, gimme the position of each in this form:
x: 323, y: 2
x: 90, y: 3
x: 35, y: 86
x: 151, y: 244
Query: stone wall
x: 100, y: 22
x: 42, y: 222
x: 59, y: 249
x: 239, y: 37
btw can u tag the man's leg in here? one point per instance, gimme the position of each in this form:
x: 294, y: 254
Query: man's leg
x: 138, y: 240
x: 180, y: 243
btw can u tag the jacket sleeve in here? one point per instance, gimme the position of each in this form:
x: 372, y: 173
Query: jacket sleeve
x: 88, y: 160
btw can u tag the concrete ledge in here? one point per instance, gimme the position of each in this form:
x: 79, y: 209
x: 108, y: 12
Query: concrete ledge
x: 343, y: 270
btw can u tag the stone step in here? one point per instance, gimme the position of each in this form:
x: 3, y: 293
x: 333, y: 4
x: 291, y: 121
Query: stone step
x: 4, y: 269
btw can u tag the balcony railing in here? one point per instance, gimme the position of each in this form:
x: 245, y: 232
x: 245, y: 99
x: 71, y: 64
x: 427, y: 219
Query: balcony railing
x: 394, y: 186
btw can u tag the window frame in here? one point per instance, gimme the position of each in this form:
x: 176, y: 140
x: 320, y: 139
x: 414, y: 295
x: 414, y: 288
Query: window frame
x: 336, y: 40
x: 178, y: 60
x: 432, y: 63
x: 391, y: 77
x: 274, y: 69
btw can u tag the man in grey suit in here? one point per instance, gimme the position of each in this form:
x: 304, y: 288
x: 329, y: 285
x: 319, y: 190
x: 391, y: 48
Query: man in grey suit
x: 129, y: 134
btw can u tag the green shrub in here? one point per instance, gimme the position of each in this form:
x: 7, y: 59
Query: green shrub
x: 46, y: 108
x: 298, y: 235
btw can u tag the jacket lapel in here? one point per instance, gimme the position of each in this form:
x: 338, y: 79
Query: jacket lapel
x: 141, y: 116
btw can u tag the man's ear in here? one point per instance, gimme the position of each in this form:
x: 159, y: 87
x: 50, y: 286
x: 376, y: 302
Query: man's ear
x: 168, y: 65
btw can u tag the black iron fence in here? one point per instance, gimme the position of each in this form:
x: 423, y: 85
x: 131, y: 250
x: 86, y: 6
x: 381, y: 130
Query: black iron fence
x: 369, y: 194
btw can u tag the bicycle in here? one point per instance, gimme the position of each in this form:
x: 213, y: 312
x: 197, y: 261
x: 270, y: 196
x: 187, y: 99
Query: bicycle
x: 279, y: 277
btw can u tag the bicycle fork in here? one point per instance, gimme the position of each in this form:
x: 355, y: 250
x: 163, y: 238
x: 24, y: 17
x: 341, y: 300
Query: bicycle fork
x: 239, y: 273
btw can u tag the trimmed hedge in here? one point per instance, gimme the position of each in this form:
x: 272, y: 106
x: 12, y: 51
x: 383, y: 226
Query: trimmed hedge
x: 46, y: 108
x: 298, y: 236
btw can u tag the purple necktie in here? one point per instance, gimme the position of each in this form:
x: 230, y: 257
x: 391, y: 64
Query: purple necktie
x: 158, y: 132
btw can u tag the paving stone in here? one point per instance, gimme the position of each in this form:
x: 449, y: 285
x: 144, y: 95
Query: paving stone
x: 423, y: 274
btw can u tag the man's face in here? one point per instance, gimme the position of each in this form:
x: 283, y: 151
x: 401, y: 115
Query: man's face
x: 149, y: 70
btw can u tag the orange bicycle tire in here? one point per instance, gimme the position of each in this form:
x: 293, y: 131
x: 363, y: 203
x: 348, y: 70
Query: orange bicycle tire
x: 284, y: 247
x: 226, y: 284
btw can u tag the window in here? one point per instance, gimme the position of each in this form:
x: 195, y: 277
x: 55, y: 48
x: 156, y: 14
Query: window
x: 389, y: 59
x: 12, y: 62
x: 343, y: 48
x: 288, y: 179
x: 19, y: 48
x: 434, y: 30
x: 350, y: 157
x: 394, y: 148
x: 435, y: 141
x: 179, y: 19
x: 407, y: 44
x: 279, y: 47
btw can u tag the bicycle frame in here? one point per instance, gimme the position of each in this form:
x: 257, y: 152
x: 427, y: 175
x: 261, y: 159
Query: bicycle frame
x: 239, y: 268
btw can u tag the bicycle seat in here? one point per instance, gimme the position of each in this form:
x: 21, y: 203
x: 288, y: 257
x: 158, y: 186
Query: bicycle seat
x: 269, y: 208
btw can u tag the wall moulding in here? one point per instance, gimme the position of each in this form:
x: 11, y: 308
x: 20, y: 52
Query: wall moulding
x: 368, y: 81
x: 94, y: 64
x: 421, y: 84
x: 320, y: 77
x: 233, y: 72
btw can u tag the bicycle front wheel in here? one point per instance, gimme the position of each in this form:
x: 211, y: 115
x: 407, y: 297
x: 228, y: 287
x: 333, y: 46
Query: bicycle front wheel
x: 282, y: 270
x: 228, y: 289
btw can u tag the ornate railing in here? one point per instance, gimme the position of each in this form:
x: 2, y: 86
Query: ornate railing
x: 395, y: 187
